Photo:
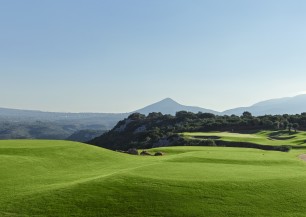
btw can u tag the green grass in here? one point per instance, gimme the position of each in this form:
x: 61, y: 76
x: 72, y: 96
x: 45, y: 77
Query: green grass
x: 60, y: 178
x: 262, y: 137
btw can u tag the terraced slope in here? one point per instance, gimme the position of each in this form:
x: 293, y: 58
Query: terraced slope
x: 59, y: 178
x: 262, y: 137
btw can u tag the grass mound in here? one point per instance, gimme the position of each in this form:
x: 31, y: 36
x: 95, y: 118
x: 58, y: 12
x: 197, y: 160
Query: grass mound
x: 60, y: 178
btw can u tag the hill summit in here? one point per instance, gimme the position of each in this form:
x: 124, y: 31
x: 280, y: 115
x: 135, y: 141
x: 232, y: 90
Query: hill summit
x: 169, y: 106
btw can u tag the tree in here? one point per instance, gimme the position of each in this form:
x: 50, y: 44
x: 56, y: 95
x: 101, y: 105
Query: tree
x: 285, y: 124
x: 205, y: 115
x: 247, y: 114
x: 183, y: 115
x: 268, y: 124
x: 290, y: 125
x: 136, y: 116
x: 295, y: 126
x: 155, y: 115
x: 276, y: 125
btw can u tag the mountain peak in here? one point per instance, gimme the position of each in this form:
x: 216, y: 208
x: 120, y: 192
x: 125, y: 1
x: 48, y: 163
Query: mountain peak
x: 169, y: 106
x: 168, y: 100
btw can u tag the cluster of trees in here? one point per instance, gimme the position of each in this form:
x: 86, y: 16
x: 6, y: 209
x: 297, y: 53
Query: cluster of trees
x: 156, y: 129
x: 207, y: 122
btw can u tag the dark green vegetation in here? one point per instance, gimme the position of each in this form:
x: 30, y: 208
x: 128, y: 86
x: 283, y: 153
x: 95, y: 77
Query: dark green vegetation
x: 156, y: 130
x: 85, y: 135
x: 58, y: 178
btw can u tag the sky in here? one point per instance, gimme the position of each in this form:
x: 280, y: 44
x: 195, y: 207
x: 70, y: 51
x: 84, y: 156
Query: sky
x: 121, y: 55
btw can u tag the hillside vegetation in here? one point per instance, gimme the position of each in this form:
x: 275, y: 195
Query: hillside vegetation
x: 85, y: 135
x: 60, y: 178
x: 157, y: 130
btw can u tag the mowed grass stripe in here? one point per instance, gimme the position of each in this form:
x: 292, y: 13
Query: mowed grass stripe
x: 276, y: 138
x: 74, y: 179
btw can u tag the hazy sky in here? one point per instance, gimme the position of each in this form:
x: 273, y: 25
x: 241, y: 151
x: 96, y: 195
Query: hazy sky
x: 120, y: 55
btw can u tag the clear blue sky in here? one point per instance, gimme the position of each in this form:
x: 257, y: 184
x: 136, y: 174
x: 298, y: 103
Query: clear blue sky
x: 120, y: 55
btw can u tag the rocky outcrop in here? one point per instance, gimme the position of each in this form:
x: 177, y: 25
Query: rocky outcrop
x: 123, y: 126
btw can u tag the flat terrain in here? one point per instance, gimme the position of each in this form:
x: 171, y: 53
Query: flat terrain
x: 60, y: 178
x: 262, y: 137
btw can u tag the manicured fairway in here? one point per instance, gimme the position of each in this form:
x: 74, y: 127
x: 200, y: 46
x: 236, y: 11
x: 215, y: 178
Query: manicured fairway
x: 60, y: 178
x: 261, y: 137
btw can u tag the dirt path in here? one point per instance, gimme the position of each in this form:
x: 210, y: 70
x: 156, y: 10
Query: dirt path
x: 302, y: 157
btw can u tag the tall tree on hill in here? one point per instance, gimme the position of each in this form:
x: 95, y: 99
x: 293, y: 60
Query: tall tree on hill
x: 247, y: 114
x: 285, y: 124
x: 276, y: 125
x: 295, y: 126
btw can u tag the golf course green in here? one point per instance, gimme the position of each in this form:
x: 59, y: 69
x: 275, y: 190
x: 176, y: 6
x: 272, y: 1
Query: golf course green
x: 295, y: 139
x: 61, y: 178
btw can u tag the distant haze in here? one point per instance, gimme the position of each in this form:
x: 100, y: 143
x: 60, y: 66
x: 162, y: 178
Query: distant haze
x: 118, y: 56
x: 286, y: 105
x: 16, y: 124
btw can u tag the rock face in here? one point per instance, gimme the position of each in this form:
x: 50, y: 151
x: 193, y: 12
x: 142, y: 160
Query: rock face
x: 123, y: 126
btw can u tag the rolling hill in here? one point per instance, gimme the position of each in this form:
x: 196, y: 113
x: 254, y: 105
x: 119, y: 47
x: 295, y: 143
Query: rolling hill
x: 60, y: 178
x: 287, y: 105
x: 157, y: 130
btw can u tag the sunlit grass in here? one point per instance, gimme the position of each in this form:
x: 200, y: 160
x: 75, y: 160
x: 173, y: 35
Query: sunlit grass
x: 261, y: 137
x: 60, y: 178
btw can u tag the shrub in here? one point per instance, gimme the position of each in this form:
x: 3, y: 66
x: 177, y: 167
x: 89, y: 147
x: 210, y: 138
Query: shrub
x: 284, y: 148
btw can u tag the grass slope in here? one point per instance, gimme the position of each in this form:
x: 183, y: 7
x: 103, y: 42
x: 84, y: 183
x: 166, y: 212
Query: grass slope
x: 262, y: 137
x: 60, y: 178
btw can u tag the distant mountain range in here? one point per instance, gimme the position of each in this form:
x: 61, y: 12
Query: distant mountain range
x: 17, y: 123
x: 286, y: 105
x: 91, y: 120
x: 29, y: 124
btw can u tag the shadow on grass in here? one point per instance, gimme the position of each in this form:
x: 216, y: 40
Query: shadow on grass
x: 282, y: 135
